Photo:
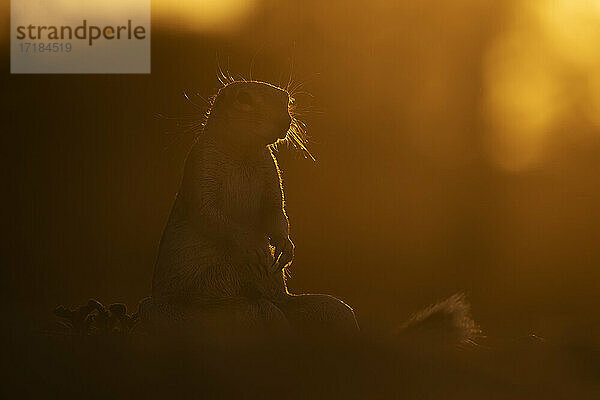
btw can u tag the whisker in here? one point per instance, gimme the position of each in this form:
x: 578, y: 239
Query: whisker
x: 191, y: 102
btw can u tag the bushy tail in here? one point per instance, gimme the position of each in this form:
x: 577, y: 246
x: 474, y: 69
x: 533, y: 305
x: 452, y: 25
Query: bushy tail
x: 445, y: 324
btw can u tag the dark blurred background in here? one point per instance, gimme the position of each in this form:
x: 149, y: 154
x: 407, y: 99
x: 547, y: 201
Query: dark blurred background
x: 457, y: 147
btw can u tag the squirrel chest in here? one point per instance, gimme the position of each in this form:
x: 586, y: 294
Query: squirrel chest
x: 243, y: 190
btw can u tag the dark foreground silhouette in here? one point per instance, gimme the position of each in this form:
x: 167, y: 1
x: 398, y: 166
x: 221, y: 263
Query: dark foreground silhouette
x: 62, y: 362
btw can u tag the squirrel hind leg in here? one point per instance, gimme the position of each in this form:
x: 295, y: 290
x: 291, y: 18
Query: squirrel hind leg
x: 320, y: 316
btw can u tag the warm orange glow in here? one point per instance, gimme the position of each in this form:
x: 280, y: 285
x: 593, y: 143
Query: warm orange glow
x: 203, y: 15
x: 544, y: 68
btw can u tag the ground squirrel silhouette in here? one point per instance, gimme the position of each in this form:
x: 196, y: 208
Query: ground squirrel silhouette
x: 226, y: 244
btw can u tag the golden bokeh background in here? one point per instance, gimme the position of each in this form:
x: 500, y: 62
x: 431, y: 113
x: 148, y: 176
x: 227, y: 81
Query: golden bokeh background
x: 457, y: 146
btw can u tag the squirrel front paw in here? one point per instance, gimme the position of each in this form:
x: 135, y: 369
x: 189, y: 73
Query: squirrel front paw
x: 284, y: 252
